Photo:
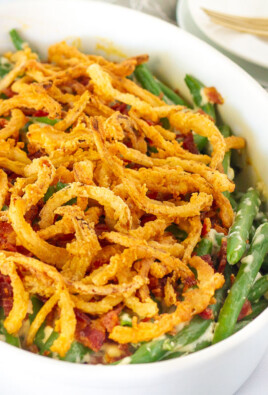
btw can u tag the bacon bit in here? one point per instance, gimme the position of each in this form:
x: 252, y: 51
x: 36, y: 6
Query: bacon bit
x: 31, y: 213
x: 7, y: 237
x: 121, y: 107
x: 110, y: 319
x: 146, y: 319
x: 40, y: 113
x: 96, y: 264
x: 222, y: 256
x: 207, y: 314
x: 62, y: 240
x: 147, y: 218
x: 23, y: 251
x: 156, y: 286
x: 36, y: 155
x: 232, y: 278
x: 245, y: 311
x: 129, y: 145
x: 84, y: 80
x: 7, y: 304
x: 29, y: 112
x: 189, y: 144
x: 93, y: 336
x: 134, y: 166
x: 33, y: 348
x: 150, y: 123
x: 190, y: 281
x: 88, y: 332
x: 100, y: 228
x: 8, y: 92
x: 206, y: 226
x: 213, y: 95
x: 6, y: 294
x: 149, y: 141
x: 207, y: 258
x: 152, y: 195
x: 3, y: 123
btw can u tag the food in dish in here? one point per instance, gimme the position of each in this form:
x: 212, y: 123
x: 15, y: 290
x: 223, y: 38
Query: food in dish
x: 117, y: 200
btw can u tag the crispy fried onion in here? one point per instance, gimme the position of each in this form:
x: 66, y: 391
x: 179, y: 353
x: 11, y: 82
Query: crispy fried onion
x: 114, y: 207
x: 66, y: 321
x: 92, y: 185
x: 19, y: 205
x: 195, y: 300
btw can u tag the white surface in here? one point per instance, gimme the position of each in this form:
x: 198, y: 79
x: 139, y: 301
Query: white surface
x: 222, y: 368
x: 247, y: 46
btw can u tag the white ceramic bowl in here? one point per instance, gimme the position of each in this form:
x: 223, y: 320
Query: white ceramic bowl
x: 219, y: 369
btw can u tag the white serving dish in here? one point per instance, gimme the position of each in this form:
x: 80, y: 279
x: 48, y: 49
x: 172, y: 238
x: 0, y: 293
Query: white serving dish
x: 222, y: 368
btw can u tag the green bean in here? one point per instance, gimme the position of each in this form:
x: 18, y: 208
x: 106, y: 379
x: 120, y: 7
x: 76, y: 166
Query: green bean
x: 45, y: 120
x: 258, y: 289
x: 239, y: 231
x: 3, y: 71
x: 200, y: 141
x: 125, y: 319
x: 171, y: 95
x: 250, y: 265
x: 226, y: 132
x: 3, y: 96
x: 196, y: 87
x: 264, y: 266
x: 178, y: 233
x: 146, y: 79
x: 40, y: 335
x: 45, y: 346
x: 10, y: 339
x: 204, y: 247
x: 5, y: 67
x: 76, y: 353
x: 16, y: 39
x: 52, y: 189
x: 197, y: 347
x: 156, y: 350
x: 149, y: 82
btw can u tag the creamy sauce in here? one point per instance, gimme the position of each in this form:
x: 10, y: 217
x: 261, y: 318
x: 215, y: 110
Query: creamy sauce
x: 125, y: 361
x: 248, y: 260
x: 230, y: 173
x: 259, y: 239
x: 204, y: 97
x: 47, y: 331
x: 207, y: 336
x: 2, y: 338
x: 212, y: 236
